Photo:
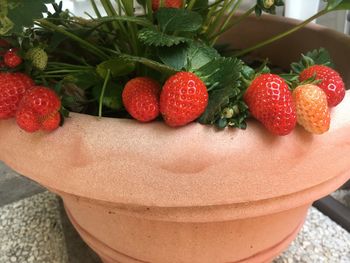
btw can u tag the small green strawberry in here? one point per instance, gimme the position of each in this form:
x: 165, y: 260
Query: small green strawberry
x: 38, y: 57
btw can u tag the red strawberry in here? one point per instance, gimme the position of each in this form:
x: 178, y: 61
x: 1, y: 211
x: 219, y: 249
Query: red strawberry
x: 183, y: 99
x: 51, y: 123
x: 27, y: 120
x: 141, y: 98
x: 39, y: 110
x: 166, y: 3
x: 12, y: 59
x: 332, y: 83
x: 12, y: 88
x: 270, y: 101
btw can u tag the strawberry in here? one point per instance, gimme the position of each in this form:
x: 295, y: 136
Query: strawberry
x: 166, y: 3
x: 38, y: 57
x: 271, y: 102
x: 141, y: 98
x: 12, y: 88
x: 331, y: 82
x: 312, y: 108
x: 39, y: 109
x: 12, y: 59
x: 183, y: 99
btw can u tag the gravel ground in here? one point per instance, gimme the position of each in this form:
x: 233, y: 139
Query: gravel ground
x: 320, y: 241
x: 31, y: 231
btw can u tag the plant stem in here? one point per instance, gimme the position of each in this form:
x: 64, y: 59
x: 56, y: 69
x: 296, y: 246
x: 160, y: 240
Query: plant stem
x: 93, y: 49
x: 279, y: 36
x: 94, y: 6
x: 235, y: 22
x: 191, y: 4
x: 103, y: 93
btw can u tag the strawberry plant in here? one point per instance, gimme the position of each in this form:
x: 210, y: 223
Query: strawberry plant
x: 157, y: 61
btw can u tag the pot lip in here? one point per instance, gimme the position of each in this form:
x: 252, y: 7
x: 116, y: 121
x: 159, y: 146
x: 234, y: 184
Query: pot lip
x: 81, y: 187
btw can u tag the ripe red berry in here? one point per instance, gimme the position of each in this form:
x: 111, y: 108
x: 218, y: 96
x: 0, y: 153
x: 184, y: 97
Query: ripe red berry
x: 141, y: 98
x: 39, y: 109
x: 12, y: 59
x: 331, y: 82
x: 183, y: 99
x: 270, y: 101
x: 51, y: 123
x: 12, y: 88
x: 166, y: 3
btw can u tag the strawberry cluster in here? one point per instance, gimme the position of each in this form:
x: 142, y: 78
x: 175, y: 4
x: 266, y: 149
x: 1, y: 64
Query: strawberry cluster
x: 182, y: 99
x: 279, y: 109
x: 34, y: 107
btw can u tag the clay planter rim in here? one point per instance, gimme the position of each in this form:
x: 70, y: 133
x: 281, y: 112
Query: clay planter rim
x: 185, y: 172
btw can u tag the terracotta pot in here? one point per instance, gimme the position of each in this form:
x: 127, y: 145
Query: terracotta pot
x: 149, y: 193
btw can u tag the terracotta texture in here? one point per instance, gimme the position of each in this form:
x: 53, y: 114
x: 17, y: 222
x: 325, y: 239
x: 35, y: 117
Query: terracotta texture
x: 149, y: 193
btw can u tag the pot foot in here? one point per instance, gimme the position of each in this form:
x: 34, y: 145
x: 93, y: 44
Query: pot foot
x: 110, y: 255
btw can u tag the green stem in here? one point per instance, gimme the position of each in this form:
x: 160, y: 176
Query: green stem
x: 217, y: 18
x: 228, y: 19
x: 94, y: 6
x: 235, y: 22
x: 93, y: 49
x: 103, y: 93
x: 279, y: 36
x: 191, y: 4
x: 149, y: 10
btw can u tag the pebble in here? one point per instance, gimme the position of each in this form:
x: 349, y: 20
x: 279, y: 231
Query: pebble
x: 27, y: 231
x: 320, y: 240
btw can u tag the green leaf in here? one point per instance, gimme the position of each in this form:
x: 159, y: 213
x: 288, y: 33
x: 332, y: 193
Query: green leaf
x: 200, y: 54
x: 218, y: 99
x: 179, y: 20
x: 338, y: 5
x: 220, y: 72
x: 117, y: 66
x: 23, y: 12
x: 112, y: 97
x: 152, y: 37
x: 314, y: 57
x: 151, y: 64
x: 175, y: 56
x: 200, y: 5
x: 332, y: 4
x: 84, y: 79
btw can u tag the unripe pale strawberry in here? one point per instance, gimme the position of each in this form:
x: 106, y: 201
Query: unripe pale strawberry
x: 38, y: 57
x: 312, y: 108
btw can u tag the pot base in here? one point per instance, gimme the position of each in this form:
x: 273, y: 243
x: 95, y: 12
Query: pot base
x: 110, y: 255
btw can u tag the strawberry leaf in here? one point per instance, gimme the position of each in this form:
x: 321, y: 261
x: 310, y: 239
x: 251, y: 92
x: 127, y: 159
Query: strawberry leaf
x: 218, y: 99
x: 199, y: 55
x: 314, y: 57
x: 152, y: 37
x: 222, y: 77
x: 220, y: 72
x: 23, y: 12
x: 337, y: 5
x: 117, y: 66
x: 179, y: 20
x: 175, y: 56
x: 162, y: 68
